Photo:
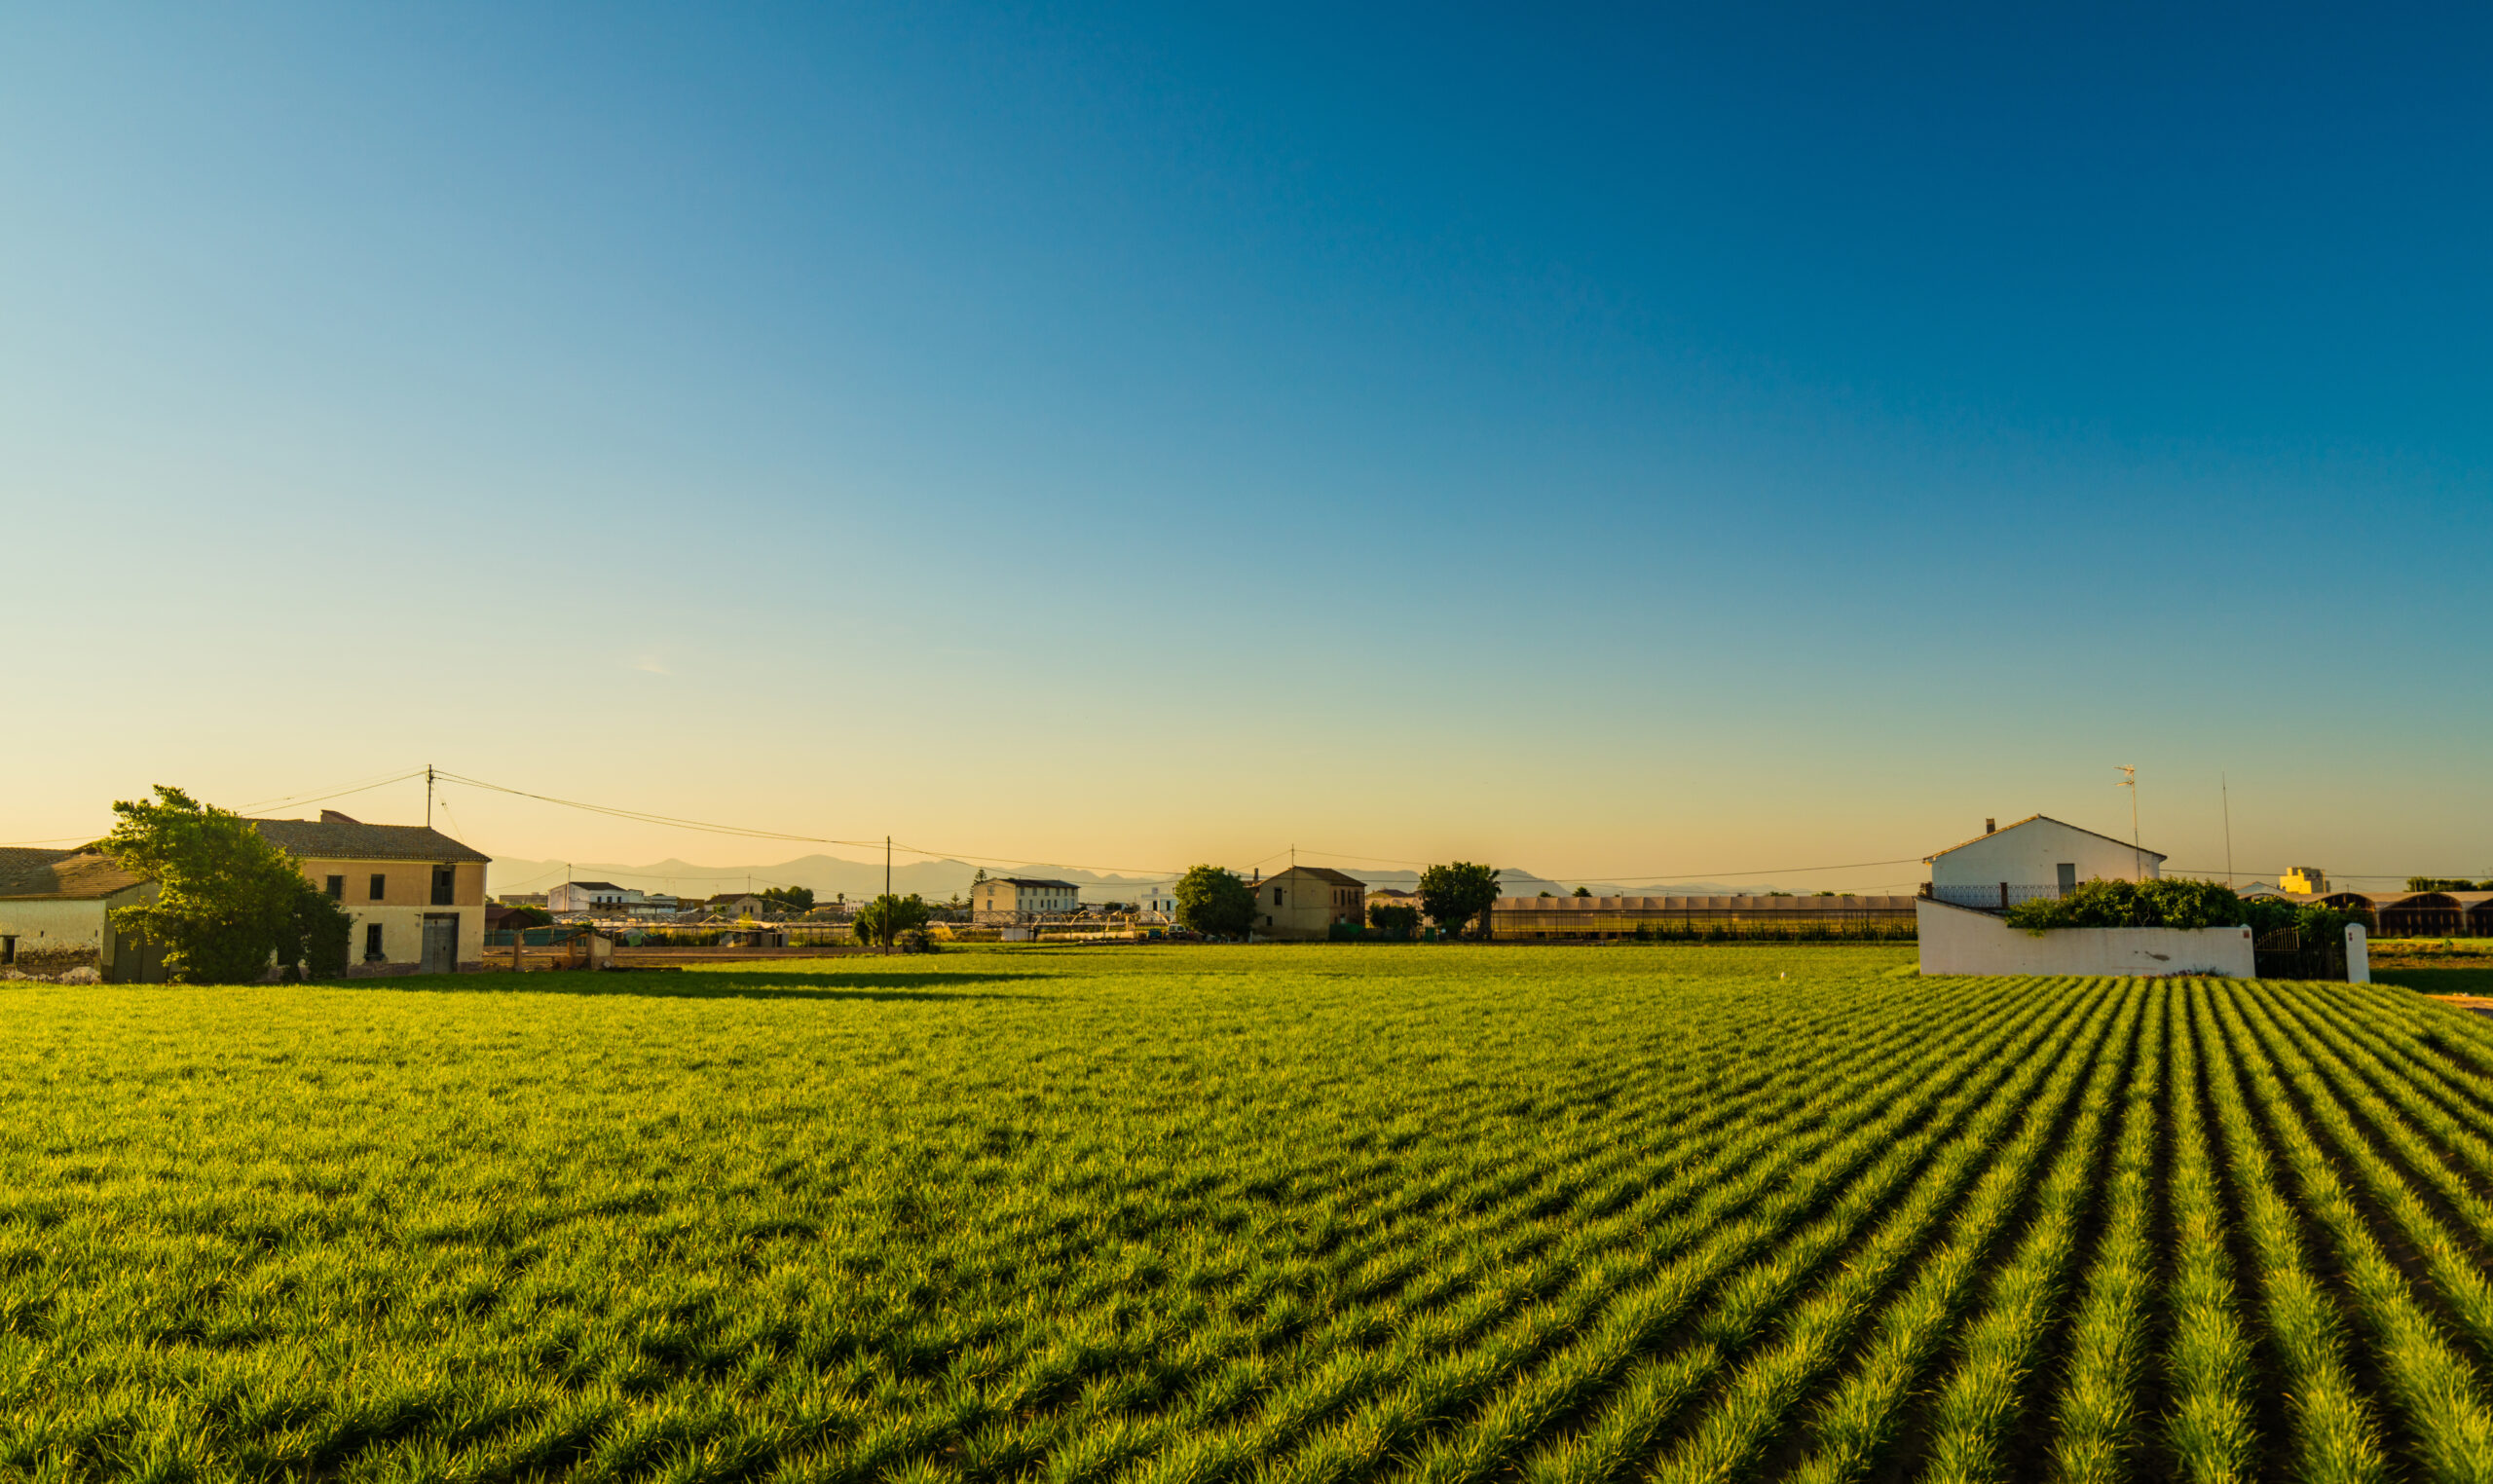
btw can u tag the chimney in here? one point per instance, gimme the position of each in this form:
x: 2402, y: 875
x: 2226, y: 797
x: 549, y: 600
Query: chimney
x: 1991, y: 827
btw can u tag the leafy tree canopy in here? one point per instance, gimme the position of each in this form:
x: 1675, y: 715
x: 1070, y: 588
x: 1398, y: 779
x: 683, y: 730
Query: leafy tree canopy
x: 1584, y: 891
x: 889, y: 918
x: 1395, y: 919
x: 1214, y: 901
x: 1456, y: 893
x: 228, y: 901
x: 796, y: 899
x: 2446, y: 883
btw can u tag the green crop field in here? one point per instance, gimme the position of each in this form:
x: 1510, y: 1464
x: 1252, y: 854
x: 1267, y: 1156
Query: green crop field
x: 1265, y: 1215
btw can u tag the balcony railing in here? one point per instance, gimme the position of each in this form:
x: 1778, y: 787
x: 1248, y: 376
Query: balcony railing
x: 1998, y: 897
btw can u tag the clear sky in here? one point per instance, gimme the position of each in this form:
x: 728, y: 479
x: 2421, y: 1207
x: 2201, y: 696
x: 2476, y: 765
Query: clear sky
x: 1748, y: 438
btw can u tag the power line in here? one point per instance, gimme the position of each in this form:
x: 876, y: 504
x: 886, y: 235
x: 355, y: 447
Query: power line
x: 304, y: 799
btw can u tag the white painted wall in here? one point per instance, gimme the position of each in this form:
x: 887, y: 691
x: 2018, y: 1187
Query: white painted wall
x: 55, y: 925
x: 2030, y: 855
x: 1956, y: 940
x: 2359, y: 955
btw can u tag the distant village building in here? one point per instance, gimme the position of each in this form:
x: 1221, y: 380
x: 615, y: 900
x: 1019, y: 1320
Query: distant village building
x: 417, y: 895
x: 2304, y: 880
x: 1304, y: 903
x: 2035, y: 857
x: 1018, y: 901
x: 590, y: 897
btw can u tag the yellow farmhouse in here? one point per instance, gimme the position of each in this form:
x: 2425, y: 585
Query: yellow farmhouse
x: 417, y: 895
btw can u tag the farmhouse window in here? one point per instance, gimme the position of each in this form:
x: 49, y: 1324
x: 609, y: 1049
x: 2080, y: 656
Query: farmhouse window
x: 2069, y: 876
x: 380, y: 883
x: 8, y: 950
x: 441, y: 886
x: 372, y: 941
x: 1277, y: 895
x: 337, y: 888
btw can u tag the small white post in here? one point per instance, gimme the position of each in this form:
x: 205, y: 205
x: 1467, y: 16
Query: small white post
x: 2359, y: 957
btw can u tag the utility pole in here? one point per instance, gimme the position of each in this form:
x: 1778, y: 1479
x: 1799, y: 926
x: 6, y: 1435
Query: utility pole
x: 2130, y: 781
x: 427, y: 795
x: 2224, y: 791
x: 887, y: 896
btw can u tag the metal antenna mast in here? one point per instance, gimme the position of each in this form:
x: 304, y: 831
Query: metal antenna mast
x: 2225, y: 791
x: 2130, y: 781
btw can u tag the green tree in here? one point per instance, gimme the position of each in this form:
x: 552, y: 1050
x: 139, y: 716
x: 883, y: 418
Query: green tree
x: 887, y: 920
x: 1214, y: 901
x: 1395, y: 919
x: 1455, y: 894
x: 1584, y: 891
x: 796, y: 899
x: 319, y: 934
x: 227, y: 900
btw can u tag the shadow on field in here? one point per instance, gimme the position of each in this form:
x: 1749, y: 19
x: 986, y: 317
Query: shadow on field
x: 936, y: 986
x: 2439, y: 980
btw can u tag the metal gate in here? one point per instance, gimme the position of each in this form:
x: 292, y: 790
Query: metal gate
x: 441, y: 943
x: 2282, y: 954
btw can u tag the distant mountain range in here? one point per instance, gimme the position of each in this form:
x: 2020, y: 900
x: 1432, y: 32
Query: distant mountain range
x: 832, y: 877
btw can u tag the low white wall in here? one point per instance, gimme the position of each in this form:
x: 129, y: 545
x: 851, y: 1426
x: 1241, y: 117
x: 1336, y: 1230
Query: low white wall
x: 2359, y: 955
x: 1956, y: 940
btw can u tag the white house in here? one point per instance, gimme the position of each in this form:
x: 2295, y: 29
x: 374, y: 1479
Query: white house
x: 2035, y: 857
x: 590, y: 897
x: 1011, y: 901
x: 56, y: 914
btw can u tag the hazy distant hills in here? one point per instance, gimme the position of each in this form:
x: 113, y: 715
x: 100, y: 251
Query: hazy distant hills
x: 832, y: 877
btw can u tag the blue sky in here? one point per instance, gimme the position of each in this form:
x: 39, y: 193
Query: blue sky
x: 1611, y: 443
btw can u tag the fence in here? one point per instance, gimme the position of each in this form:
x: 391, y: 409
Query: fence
x: 1991, y: 897
x: 1705, y: 919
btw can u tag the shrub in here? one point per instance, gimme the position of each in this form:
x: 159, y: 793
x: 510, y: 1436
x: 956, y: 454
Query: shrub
x: 2167, y: 902
x: 1396, y: 921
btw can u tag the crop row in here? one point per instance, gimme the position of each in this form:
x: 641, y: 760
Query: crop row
x: 1963, y: 1230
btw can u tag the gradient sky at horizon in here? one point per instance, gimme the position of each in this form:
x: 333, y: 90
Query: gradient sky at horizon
x: 1609, y: 444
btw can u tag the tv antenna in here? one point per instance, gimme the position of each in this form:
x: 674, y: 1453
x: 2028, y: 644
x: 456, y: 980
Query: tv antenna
x: 2130, y: 781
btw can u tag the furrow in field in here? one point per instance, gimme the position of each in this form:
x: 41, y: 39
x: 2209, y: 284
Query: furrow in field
x: 1978, y: 1403
x: 2337, y: 1432
x: 1855, y: 1424
x: 2208, y: 1432
x: 2097, y: 1402
x: 2439, y: 1148
x: 2430, y: 1386
x: 1748, y: 1289
x: 1325, y: 1380
x: 1734, y: 1433
x: 1639, y: 1312
x: 1726, y: 1183
x: 2360, y: 1123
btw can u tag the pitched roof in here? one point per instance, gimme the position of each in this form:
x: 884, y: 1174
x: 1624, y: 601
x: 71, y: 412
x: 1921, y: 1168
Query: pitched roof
x: 1034, y: 881
x: 1321, y: 874
x: 593, y: 886
x: 2031, y: 819
x: 82, y: 876
x: 342, y: 839
x: 18, y: 860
